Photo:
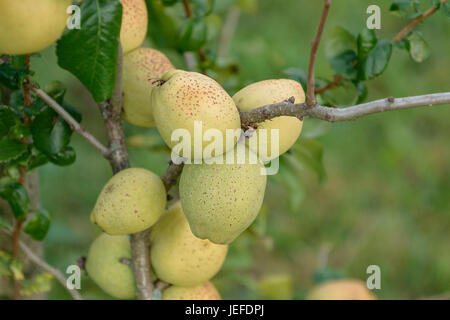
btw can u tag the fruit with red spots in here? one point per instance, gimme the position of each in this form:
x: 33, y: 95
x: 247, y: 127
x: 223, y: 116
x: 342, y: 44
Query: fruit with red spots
x: 180, y: 258
x: 134, y: 24
x: 188, y: 97
x: 222, y: 199
x: 141, y: 67
x: 289, y: 128
x: 205, y: 291
x: 131, y: 201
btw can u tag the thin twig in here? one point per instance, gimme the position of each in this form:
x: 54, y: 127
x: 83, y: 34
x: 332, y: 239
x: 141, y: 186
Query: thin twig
x: 72, y: 122
x: 310, y: 95
x: 44, y: 265
x: 415, y: 22
x: 300, y: 110
x: 187, y: 8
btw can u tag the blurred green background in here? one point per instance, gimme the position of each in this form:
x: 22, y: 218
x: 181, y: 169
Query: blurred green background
x: 386, y: 197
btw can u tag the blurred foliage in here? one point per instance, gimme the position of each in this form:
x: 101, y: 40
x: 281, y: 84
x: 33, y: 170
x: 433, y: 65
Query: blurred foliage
x: 348, y: 195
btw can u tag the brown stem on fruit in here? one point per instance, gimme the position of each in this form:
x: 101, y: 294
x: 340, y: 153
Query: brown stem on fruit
x: 310, y: 94
x: 158, y: 82
x: 286, y: 108
x: 415, y: 22
x: 161, y: 285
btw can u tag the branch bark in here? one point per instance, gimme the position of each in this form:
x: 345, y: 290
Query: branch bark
x: 287, y: 108
x: 170, y: 177
x: 310, y: 94
x: 140, y: 246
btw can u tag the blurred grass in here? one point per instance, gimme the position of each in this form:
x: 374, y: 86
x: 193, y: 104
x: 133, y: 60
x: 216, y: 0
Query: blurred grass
x: 386, y: 199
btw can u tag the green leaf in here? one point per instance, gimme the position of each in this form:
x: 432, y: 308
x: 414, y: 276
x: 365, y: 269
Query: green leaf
x: 192, y: 35
x: 162, y: 29
x: 367, y: 40
x: 90, y: 53
x: 51, y: 133
x: 338, y: 41
x: 310, y: 154
x: 202, y: 8
x: 361, y: 90
x: 418, y: 48
x: 341, y: 47
x: 37, y: 227
x: 377, y: 60
x: 65, y: 157
x: 298, y: 75
x: 400, y: 5
x: 56, y: 90
x: 344, y: 64
x: 7, y: 120
x: 13, y: 77
x: 11, y: 149
x: 37, y: 159
x: 17, y: 197
x: 39, y: 284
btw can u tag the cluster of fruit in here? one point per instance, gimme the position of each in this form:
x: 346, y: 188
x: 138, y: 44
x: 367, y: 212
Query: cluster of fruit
x: 189, y: 242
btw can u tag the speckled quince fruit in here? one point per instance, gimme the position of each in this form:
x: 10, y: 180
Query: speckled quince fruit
x: 186, y: 97
x: 131, y: 201
x: 205, y: 291
x: 267, y: 92
x: 221, y: 200
x: 29, y: 26
x: 341, y: 289
x: 180, y: 258
x: 104, y: 267
x: 141, y: 67
x: 134, y: 24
